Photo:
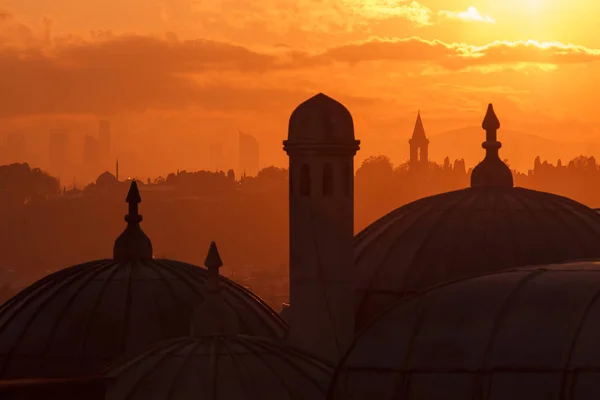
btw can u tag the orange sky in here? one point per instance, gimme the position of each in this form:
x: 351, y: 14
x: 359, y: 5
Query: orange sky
x: 172, y: 74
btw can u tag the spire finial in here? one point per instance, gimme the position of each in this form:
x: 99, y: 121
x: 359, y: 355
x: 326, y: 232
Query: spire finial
x: 133, y: 244
x: 491, y: 172
x: 214, y: 316
x: 213, y: 263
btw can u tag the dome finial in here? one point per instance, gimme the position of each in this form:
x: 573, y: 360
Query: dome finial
x: 133, y: 244
x: 491, y: 172
x: 213, y: 262
x: 214, y: 316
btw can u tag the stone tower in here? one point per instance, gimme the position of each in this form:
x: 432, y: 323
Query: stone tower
x: 321, y: 149
x: 419, y: 145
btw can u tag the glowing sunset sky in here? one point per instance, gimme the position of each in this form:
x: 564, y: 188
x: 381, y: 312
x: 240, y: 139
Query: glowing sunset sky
x: 194, y: 67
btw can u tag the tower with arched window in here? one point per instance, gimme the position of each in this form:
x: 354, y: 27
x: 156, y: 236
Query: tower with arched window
x: 419, y: 145
x: 321, y: 149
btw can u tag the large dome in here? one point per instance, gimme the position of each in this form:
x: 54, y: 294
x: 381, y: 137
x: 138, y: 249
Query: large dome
x: 488, y: 227
x: 221, y: 368
x: 215, y: 362
x: 529, y: 333
x: 75, y: 321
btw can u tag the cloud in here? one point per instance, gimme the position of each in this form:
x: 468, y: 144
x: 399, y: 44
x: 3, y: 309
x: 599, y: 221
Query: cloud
x: 455, y: 56
x: 471, y: 15
x: 383, y: 9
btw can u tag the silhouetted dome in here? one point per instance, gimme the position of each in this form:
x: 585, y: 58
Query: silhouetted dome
x: 523, y: 334
x: 321, y: 119
x: 465, y: 233
x: 216, y: 362
x: 489, y: 227
x: 106, y: 178
x: 75, y: 321
x: 231, y: 367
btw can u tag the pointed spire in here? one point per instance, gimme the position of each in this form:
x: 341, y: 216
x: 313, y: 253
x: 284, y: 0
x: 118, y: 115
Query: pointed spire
x: 419, y: 130
x: 133, y: 244
x: 214, y: 317
x: 491, y: 172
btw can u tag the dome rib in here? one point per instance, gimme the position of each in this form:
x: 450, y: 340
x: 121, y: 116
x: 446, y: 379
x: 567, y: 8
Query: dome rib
x: 504, y: 310
x: 101, y: 267
x: 464, y: 233
x: 286, y: 354
x: 56, y: 286
x: 240, y: 293
x: 400, y: 238
x: 434, y: 230
x: 92, y: 315
x: 177, y: 377
x: 243, y: 375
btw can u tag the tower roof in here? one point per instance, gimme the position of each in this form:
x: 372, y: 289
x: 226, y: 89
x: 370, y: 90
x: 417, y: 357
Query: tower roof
x: 419, y: 130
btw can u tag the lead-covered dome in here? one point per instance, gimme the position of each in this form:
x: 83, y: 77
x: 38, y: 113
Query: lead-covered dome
x: 529, y: 333
x: 75, y: 321
x: 485, y: 228
x: 215, y: 362
x: 233, y: 367
x: 321, y: 119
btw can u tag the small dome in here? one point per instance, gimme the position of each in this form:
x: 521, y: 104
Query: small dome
x: 75, y: 321
x: 321, y: 119
x: 529, y: 333
x: 464, y: 233
x: 106, y: 178
x: 234, y: 367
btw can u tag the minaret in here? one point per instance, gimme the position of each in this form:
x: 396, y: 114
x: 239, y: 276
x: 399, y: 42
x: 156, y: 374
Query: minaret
x: 492, y: 171
x: 133, y: 244
x: 117, y: 176
x: 321, y: 148
x: 419, y: 145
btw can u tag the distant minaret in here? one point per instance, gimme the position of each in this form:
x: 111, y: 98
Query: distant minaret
x: 117, y: 176
x: 321, y: 149
x: 419, y: 145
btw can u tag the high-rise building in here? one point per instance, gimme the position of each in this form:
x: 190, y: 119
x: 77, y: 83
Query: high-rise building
x: 91, y: 156
x: 216, y: 156
x: 104, y: 136
x: 59, y: 151
x: 248, y: 154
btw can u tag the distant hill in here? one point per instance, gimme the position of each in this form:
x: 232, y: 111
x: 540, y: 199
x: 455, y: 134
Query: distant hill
x: 518, y: 147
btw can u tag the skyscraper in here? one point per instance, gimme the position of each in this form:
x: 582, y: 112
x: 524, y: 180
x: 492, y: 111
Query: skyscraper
x: 248, y: 154
x: 59, y: 151
x: 104, y: 136
x: 91, y: 156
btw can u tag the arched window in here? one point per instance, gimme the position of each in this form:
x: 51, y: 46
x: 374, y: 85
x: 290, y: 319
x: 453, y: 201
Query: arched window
x: 327, y: 180
x: 347, y: 179
x: 305, y: 180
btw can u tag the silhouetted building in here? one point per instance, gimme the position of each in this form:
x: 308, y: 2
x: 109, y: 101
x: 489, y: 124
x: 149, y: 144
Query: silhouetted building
x: 104, y: 137
x: 249, y: 154
x: 91, y: 155
x: 75, y: 322
x: 59, y: 152
x: 238, y: 367
x: 321, y: 148
x: 488, y: 227
x: 419, y: 145
x: 522, y: 334
x: 216, y: 156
